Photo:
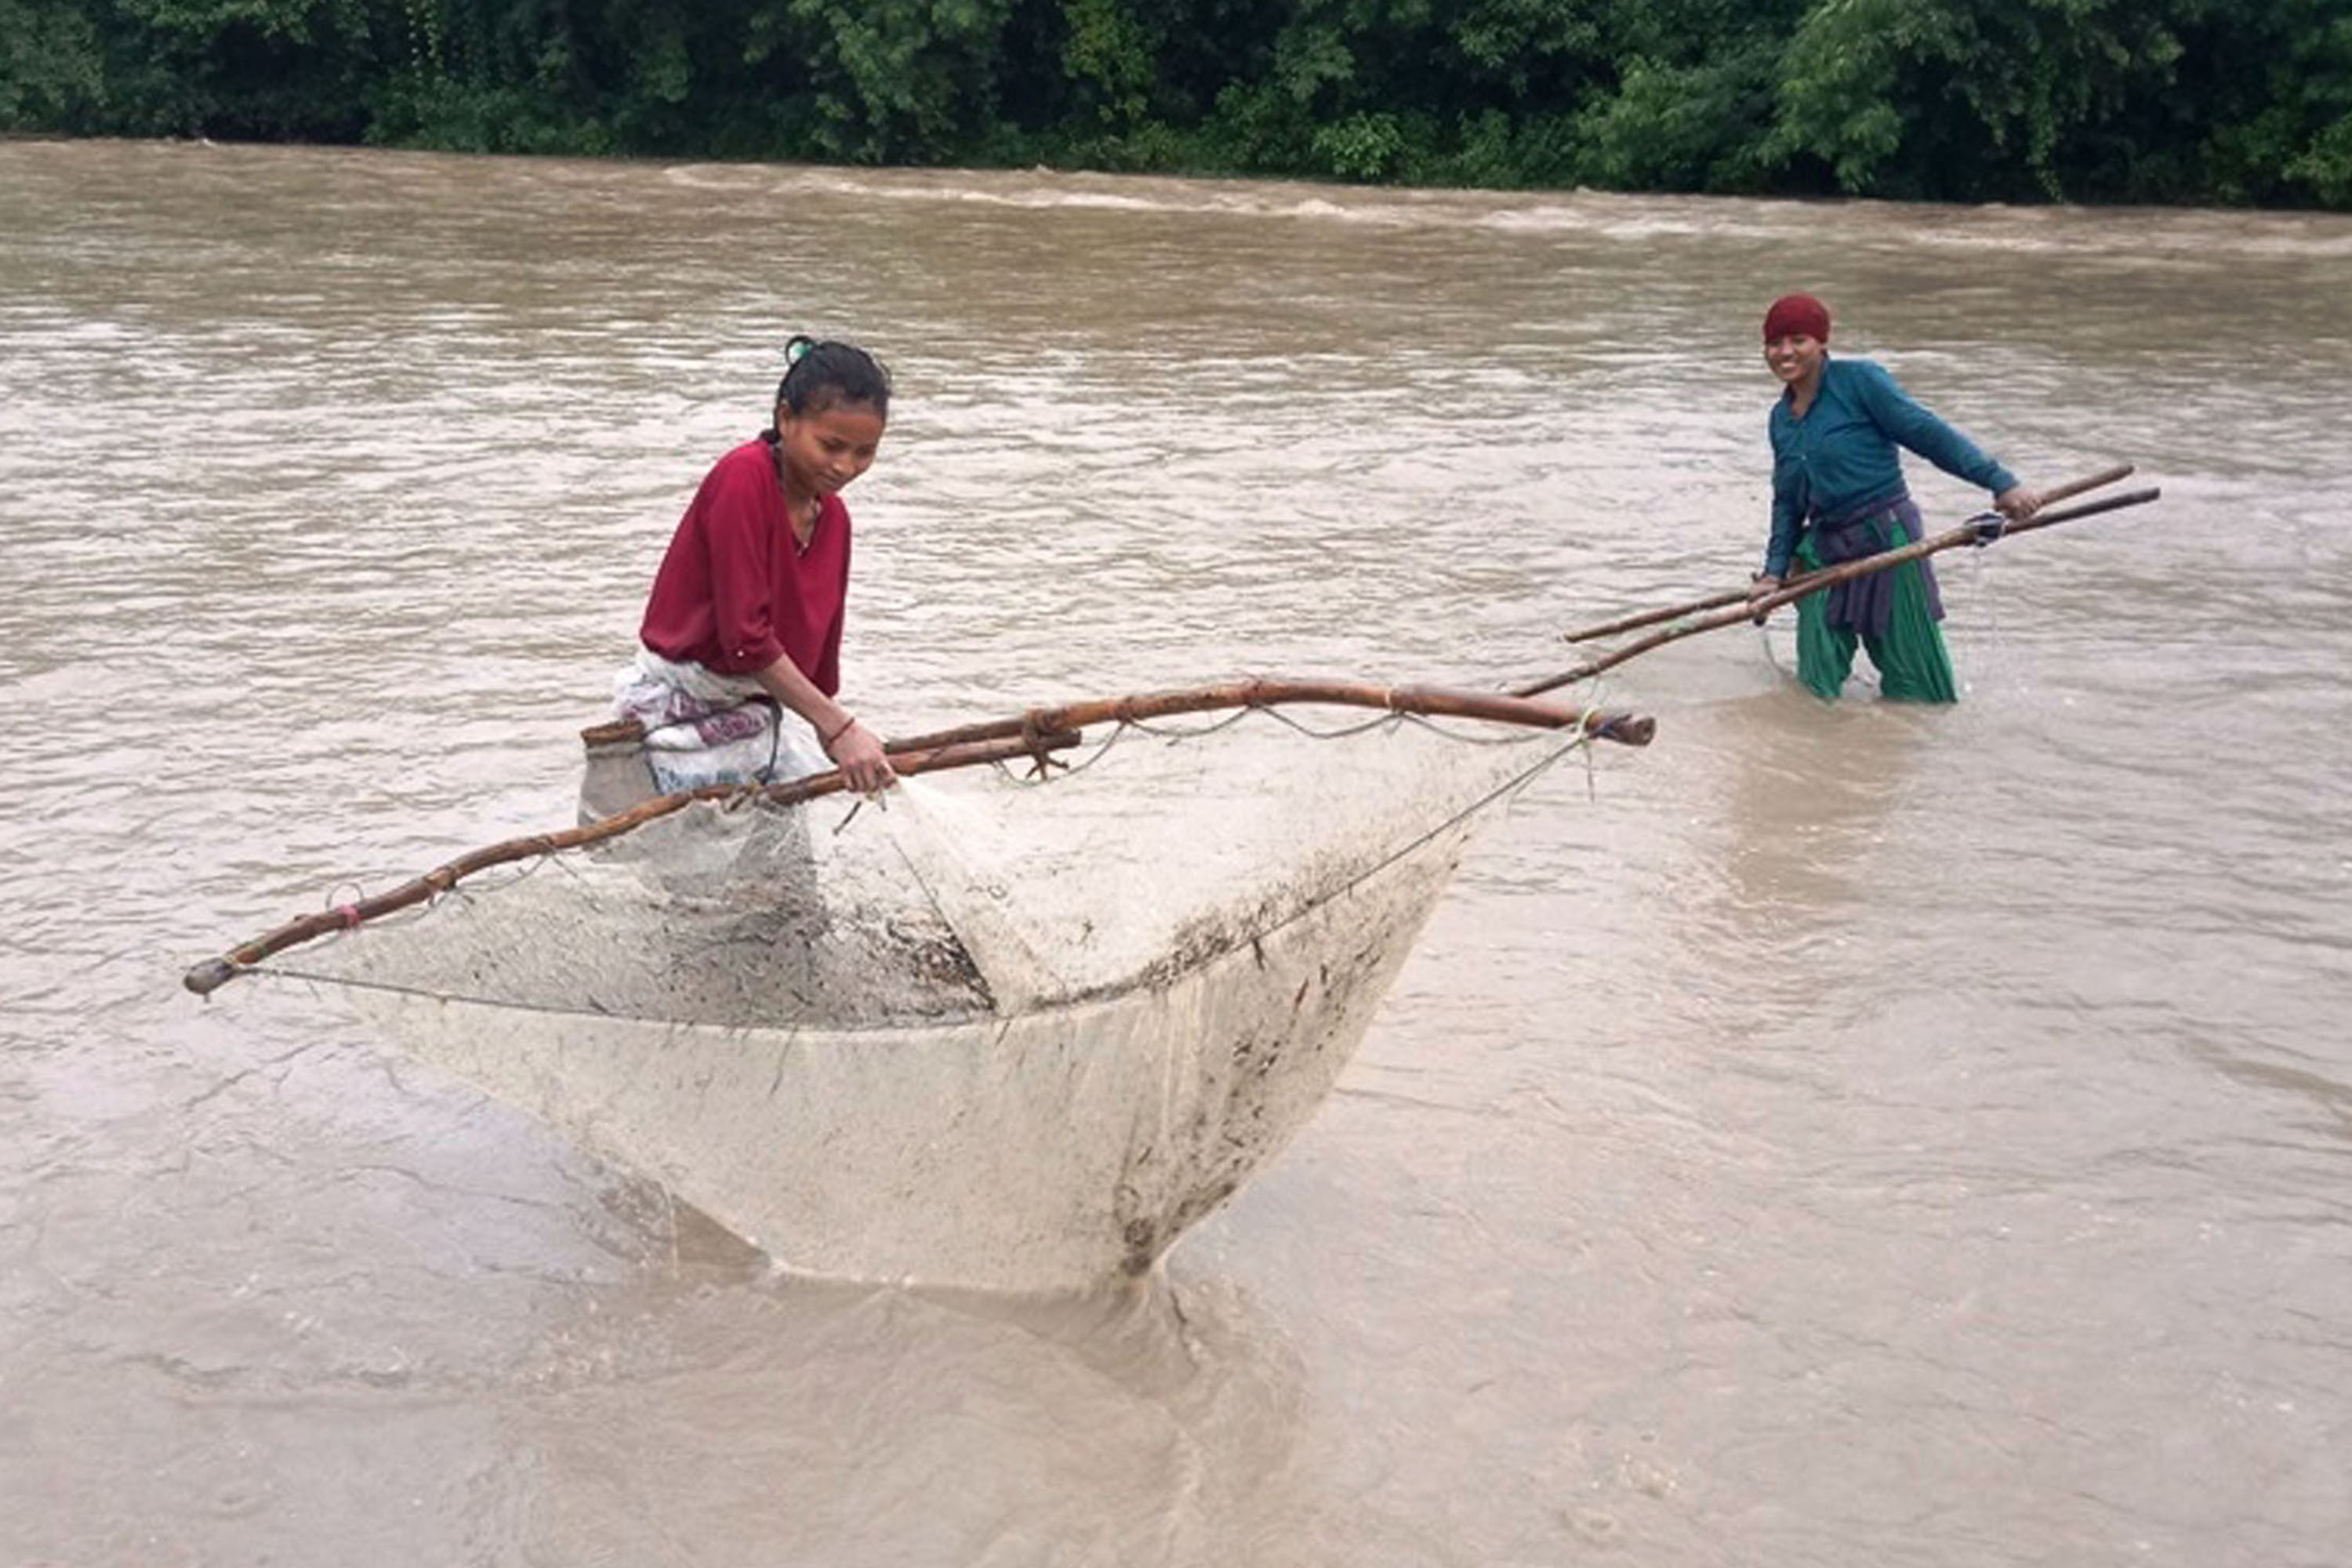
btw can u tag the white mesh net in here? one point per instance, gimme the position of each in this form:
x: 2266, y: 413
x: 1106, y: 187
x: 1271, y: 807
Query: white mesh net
x: 985, y: 1031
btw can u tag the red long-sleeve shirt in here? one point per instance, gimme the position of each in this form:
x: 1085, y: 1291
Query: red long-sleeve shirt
x: 736, y: 591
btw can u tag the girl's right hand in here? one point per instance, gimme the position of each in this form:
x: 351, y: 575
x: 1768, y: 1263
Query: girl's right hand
x: 1763, y: 586
x: 858, y: 752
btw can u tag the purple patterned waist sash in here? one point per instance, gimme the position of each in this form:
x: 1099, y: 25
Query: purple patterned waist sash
x: 1866, y: 604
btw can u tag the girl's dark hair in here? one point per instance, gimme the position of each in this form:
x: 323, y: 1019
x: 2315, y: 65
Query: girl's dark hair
x: 821, y: 375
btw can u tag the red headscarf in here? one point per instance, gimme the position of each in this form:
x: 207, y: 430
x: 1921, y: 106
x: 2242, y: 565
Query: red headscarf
x: 1792, y: 315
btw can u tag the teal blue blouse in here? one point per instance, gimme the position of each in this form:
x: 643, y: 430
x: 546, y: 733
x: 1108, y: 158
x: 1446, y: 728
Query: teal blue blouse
x: 1841, y: 457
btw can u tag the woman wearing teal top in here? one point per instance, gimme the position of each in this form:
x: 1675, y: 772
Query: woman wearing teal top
x: 1838, y: 494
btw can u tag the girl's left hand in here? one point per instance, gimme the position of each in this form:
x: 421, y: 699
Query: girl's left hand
x: 857, y: 753
x: 2018, y: 503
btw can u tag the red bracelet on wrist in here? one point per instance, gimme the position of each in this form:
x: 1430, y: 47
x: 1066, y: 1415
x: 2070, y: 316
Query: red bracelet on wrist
x: 846, y: 726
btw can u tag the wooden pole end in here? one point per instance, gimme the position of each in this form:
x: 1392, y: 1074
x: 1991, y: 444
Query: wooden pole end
x: 1631, y: 728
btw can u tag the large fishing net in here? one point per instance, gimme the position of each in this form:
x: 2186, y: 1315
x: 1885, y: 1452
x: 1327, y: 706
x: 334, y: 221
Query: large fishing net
x: 988, y: 1028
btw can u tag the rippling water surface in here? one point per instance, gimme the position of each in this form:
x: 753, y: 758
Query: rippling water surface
x: 1842, y: 1135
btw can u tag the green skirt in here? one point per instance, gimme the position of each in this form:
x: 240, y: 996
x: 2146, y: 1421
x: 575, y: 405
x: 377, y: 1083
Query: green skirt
x: 1913, y: 664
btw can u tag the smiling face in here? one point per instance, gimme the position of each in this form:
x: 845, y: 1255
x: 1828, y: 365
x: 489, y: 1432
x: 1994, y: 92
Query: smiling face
x: 1796, y: 358
x: 826, y: 448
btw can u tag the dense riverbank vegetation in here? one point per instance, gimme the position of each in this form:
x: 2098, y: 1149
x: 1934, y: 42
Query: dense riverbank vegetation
x: 2224, y: 101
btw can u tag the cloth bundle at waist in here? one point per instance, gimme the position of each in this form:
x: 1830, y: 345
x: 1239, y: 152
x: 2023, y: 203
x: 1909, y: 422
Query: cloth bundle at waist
x: 1866, y: 604
x: 703, y: 728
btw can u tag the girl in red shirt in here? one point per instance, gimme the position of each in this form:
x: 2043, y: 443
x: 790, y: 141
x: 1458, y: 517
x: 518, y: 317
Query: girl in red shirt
x: 738, y: 675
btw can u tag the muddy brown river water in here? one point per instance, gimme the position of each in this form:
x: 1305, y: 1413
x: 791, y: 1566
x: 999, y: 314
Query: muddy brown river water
x: 1838, y: 1136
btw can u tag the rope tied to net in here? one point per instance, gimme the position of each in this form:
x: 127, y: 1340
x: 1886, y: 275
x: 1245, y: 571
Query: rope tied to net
x: 346, y: 913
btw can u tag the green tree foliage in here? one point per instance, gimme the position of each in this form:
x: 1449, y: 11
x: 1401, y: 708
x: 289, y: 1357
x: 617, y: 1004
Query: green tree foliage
x: 2212, y: 101
x: 2099, y: 100
x: 900, y: 81
x: 1692, y: 99
x: 1913, y: 97
x: 52, y: 69
x: 2274, y: 81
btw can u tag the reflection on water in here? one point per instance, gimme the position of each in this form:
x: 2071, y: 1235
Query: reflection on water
x: 1840, y: 1135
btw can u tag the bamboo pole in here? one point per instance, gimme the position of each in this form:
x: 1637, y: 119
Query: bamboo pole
x: 215, y: 973
x: 1738, y: 596
x: 1830, y: 578
x: 1626, y: 729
